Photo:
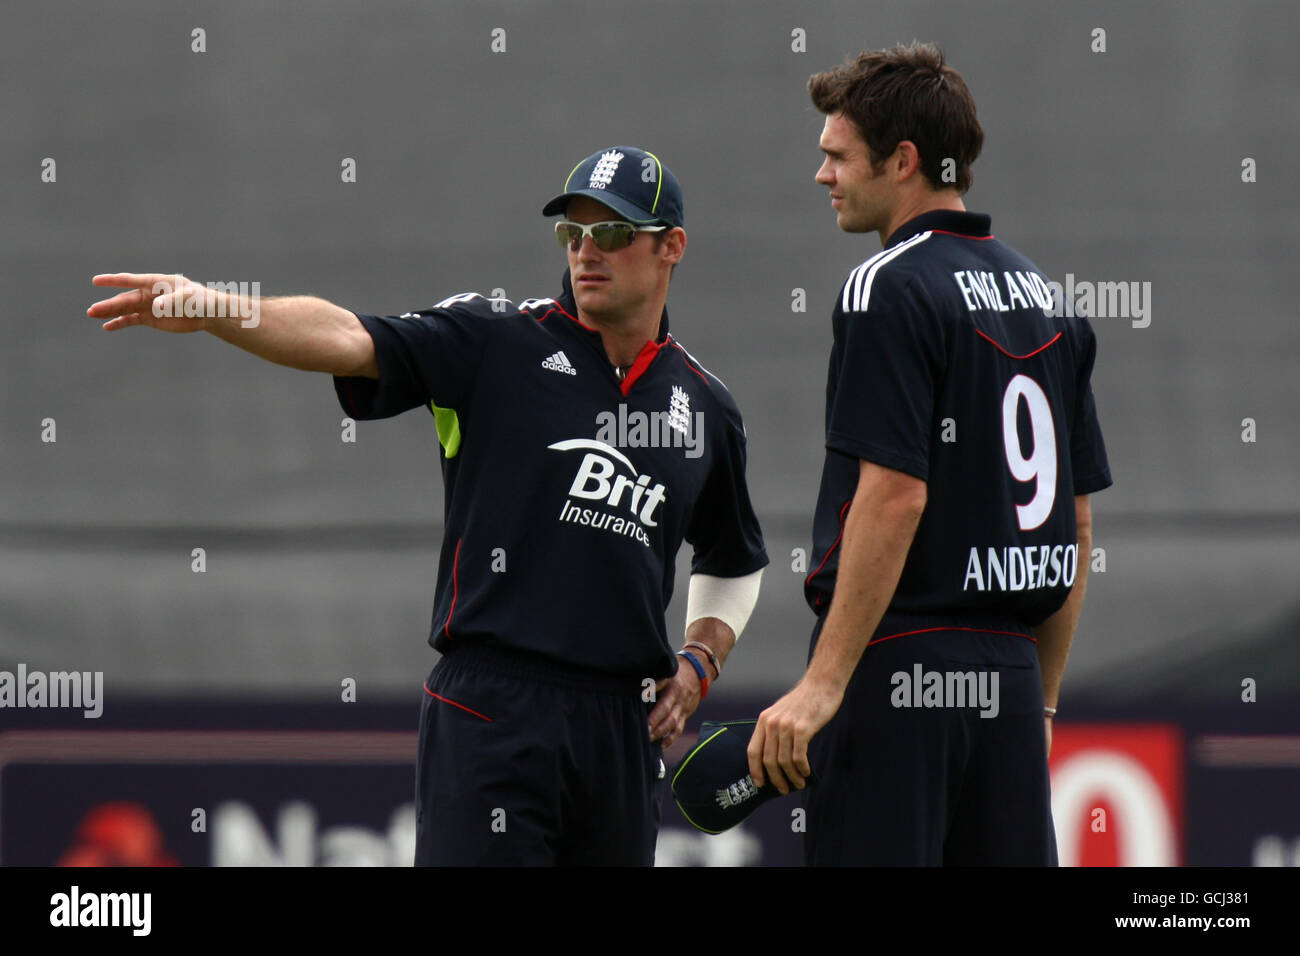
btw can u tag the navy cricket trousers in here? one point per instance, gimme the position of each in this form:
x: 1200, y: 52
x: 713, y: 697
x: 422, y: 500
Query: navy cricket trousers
x: 524, y: 762
x: 912, y: 774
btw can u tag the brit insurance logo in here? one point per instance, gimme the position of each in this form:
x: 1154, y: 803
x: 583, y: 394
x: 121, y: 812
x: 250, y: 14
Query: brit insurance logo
x: 605, y: 169
x: 621, y: 501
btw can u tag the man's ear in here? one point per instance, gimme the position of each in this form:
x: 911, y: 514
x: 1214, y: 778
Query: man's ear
x: 906, y: 160
x: 674, y: 245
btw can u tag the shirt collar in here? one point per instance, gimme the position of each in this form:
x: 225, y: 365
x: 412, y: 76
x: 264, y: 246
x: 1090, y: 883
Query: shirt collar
x: 977, y: 225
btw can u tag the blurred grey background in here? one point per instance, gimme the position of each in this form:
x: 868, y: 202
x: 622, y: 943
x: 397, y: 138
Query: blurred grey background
x: 321, y: 555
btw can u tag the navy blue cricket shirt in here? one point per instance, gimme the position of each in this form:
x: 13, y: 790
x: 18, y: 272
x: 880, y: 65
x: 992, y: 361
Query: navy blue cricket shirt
x: 950, y: 364
x: 567, y: 492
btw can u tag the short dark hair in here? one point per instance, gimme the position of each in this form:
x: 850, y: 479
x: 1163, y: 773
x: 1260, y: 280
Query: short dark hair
x: 906, y: 92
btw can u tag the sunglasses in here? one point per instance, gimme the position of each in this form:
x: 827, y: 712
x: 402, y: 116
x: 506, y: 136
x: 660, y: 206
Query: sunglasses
x: 608, y: 236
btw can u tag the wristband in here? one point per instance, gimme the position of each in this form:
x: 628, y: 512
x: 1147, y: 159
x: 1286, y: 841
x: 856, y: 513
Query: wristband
x: 1049, y: 712
x: 708, y: 652
x: 699, y: 672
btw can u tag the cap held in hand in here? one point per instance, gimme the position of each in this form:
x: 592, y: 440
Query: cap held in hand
x: 712, y: 784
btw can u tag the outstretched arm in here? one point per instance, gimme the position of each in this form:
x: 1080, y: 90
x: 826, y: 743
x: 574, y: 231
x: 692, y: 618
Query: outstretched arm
x: 300, y: 332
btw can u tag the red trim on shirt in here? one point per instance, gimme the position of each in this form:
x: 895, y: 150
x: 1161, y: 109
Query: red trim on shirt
x: 558, y: 308
x: 976, y: 630
x: 446, y: 700
x: 689, y: 364
x: 1030, y: 355
x: 455, y: 588
x: 643, y: 360
x: 961, y: 235
x: 835, y: 544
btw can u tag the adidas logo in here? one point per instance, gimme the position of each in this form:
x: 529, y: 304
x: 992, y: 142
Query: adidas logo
x: 559, y: 362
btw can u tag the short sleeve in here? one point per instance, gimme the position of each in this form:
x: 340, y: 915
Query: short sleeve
x: 426, y: 356
x: 1091, y: 469
x: 723, y: 529
x: 891, y: 357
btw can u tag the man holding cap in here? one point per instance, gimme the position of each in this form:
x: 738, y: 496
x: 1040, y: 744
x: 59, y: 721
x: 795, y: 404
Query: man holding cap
x: 581, y: 444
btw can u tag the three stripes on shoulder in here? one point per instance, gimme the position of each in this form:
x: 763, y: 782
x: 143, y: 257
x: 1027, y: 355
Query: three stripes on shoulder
x: 857, y: 288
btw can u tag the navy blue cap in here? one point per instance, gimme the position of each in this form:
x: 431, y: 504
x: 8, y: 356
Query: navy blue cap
x: 632, y: 182
x: 712, y: 786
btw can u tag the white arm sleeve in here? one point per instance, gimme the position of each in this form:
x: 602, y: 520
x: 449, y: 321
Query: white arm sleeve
x: 730, y: 600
